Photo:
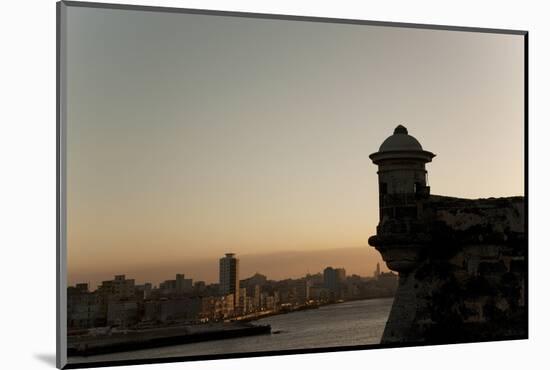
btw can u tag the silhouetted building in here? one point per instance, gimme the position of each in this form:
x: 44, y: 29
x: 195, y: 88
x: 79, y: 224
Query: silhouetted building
x: 176, y: 309
x: 302, y: 291
x: 144, y: 291
x: 340, y: 274
x: 183, y: 285
x: 229, y: 276
x: 199, y: 287
x: 84, y: 309
x: 120, y: 287
x: 333, y: 279
x: 122, y: 312
x: 167, y: 287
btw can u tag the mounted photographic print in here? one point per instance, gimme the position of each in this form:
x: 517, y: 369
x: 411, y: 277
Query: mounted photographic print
x: 235, y: 184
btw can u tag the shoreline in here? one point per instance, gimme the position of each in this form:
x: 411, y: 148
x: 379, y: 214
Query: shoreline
x: 131, y: 340
x: 308, y: 307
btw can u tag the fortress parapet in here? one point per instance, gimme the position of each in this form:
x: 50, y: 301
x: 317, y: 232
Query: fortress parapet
x: 461, y: 262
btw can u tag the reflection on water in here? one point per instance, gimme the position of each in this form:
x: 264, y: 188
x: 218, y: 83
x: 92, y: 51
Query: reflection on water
x: 343, y: 324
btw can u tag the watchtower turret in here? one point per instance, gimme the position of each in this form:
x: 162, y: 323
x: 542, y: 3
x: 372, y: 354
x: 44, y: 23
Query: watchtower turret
x: 401, y: 235
x: 402, y: 175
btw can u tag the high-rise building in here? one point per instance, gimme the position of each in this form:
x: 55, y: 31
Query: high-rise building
x: 229, y: 276
x: 377, y: 271
x: 340, y: 274
x: 333, y: 277
x: 329, y: 278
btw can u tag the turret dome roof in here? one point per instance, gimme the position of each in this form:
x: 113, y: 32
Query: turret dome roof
x: 399, y: 141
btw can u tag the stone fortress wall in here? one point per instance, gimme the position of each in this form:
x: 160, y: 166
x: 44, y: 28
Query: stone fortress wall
x: 461, y: 262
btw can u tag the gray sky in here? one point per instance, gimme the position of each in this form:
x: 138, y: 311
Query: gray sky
x: 193, y: 135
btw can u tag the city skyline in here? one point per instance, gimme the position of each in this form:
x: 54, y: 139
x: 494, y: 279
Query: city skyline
x: 184, y: 275
x: 187, y: 135
x: 178, y: 305
x: 92, y: 288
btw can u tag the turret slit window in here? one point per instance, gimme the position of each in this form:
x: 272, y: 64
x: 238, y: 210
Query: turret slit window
x: 383, y: 188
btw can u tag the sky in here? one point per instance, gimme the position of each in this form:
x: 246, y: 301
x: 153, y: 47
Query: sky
x: 189, y: 136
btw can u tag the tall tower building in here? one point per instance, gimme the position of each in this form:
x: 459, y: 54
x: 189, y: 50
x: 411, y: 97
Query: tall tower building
x: 229, y: 276
x: 333, y: 277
